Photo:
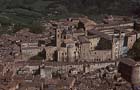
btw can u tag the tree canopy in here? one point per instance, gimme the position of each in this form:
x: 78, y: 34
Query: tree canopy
x: 36, y: 28
x: 135, y: 51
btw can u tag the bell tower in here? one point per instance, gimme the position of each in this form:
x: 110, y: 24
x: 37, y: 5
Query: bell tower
x: 113, y: 52
x: 58, y: 37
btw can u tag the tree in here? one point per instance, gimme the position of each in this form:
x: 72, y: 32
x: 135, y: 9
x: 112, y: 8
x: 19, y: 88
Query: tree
x: 135, y: 51
x: 17, y: 27
x: 81, y: 25
x: 36, y: 28
x: 36, y: 57
x: 103, y: 45
x: 40, y: 56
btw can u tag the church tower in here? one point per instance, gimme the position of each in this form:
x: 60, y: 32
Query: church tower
x: 113, y: 52
x: 58, y: 38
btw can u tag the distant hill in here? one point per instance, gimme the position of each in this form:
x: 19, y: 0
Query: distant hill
x: 26, y: 11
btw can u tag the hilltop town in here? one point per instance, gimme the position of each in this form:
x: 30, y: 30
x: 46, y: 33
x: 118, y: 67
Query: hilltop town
x: 72, y: 54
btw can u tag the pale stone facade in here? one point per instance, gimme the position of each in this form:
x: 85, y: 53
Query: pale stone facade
x: 27, y: 53
x: 50, y: 53
x: 80, y: 44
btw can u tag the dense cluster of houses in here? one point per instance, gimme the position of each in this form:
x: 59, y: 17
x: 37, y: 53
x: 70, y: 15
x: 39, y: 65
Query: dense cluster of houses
x: 73, y: 47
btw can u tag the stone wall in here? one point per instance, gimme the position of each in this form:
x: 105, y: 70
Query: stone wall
x: 65, y: 67
x: 29, y: 52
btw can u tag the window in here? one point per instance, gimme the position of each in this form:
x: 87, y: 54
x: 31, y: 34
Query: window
x: 95, y: 59
x: 125, y: 41
x: 65, y: 37
x: 95, y: 52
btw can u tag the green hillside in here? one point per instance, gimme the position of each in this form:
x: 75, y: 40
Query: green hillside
x: 24, y: 12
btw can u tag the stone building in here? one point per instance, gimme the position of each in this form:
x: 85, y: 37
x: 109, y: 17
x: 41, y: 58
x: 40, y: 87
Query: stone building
x: 90, y: 42
x: 130, y: 70
x: 94, y: 40
x: 100, y: 55
x: 84, y: 46
x: 51, y: 53
x: 29, y: 52
x: 51, y: 67
x: 131, y: 39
